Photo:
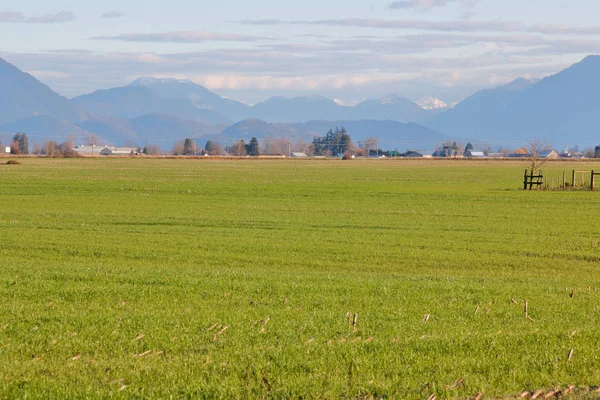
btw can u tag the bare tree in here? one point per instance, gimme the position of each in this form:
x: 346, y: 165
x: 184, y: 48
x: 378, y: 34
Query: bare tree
x: 301, y: 146
x: 535, y: 158
x: 371, y: 143
x: 275, y: 146
x: 238, y: 149
x: 178, y: 148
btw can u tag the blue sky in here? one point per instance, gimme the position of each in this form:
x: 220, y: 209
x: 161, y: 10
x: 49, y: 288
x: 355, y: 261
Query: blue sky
x: 251, y: 50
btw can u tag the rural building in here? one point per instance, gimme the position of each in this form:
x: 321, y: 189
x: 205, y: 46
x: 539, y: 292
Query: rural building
x: 550, y: 155
x: 7, y: 150
x: 474, y: 154
x: 85, y: 150
x: 298, y: 155
x: 413, y: 154
x: 119, y: 151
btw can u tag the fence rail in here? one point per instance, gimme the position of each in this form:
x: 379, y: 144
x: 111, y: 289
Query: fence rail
x: 532, y: 180
x: 578, y: 181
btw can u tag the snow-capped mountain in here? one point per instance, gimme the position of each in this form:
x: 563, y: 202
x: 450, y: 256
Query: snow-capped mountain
x: 431, y: 103
x: 200, y: 96
x: 393, y: 107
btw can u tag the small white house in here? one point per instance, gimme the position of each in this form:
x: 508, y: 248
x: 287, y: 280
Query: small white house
x: 7, y: 150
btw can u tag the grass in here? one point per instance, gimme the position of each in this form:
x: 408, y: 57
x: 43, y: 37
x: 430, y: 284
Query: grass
x: 131, y: 278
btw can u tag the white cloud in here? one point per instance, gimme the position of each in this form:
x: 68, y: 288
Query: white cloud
x: 403, y: 24
x: 426, y: 5
x: 180, y: 37
x: 62, y: 16
x: 151, y: 58
x: 112, y: 14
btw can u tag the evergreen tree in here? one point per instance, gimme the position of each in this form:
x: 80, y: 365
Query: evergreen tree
x: 20, y: 141
x: 188, y: 147
x: 253, y: 148
x: 318, y: 145
x: 597, y: 152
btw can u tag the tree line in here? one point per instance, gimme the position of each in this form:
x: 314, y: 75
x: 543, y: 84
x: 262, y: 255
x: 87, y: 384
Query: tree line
x: 335, y: 142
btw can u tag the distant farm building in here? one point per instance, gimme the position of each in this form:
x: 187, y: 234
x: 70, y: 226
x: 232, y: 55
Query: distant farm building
x: 85, y: 150
x: 119, y: 151
x: 550, y: 155
x: 298, y: 155
x: 413, y: 154
x: 474, y: 154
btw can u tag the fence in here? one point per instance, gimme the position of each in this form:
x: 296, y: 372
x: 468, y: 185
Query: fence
x: 532, y: 180
x: 578, y: 181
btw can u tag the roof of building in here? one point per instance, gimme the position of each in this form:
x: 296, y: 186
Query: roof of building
x: 472, y: 153
x: 298, y: 155
x: 119, y: 150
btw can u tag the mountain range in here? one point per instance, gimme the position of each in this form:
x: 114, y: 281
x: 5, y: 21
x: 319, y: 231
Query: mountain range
x: 559, y: 109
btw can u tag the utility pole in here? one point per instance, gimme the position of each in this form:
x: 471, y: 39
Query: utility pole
x: 93, y: 144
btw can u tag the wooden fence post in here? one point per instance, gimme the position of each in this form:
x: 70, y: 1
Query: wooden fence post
x: 593, y: 181
x: 525, y: 181
x: 531, y: 181
x: 564, y: 180
x: 573, y: 181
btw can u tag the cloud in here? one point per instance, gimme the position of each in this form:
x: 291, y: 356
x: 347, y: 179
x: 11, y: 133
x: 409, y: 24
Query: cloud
x: 151, y: 58
x: 403, y: 24
x: 16, y: 17
x: 113, y: 14
x: 180, y: 37
x: 344, y: 71
x: 565, y: 29
x: 48, y: 74
x: 9, y: 16
x: 62, y: 16
x: 426, y: 5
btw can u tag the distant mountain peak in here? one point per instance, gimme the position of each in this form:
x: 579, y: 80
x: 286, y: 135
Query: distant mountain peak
x: 312, y: 98
x: 394, y: 98
x: 431, y: 103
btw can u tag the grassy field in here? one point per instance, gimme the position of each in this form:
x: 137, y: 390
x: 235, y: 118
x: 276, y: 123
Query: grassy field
x: 138, y: 278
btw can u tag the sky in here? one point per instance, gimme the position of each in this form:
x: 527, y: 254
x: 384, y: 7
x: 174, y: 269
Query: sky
x: 349, y: 50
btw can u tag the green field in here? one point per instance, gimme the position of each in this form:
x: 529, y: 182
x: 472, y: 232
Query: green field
x: 133, y: 278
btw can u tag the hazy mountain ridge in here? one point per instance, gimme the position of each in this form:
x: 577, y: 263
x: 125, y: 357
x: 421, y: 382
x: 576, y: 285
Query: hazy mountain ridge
x: 560, y: 108
x: 391, y: 134
x: 22, y: 96
x: 134, y: 101
x: 200, y: 96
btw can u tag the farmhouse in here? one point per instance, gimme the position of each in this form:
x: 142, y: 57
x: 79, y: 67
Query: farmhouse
x: 119, y: 151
